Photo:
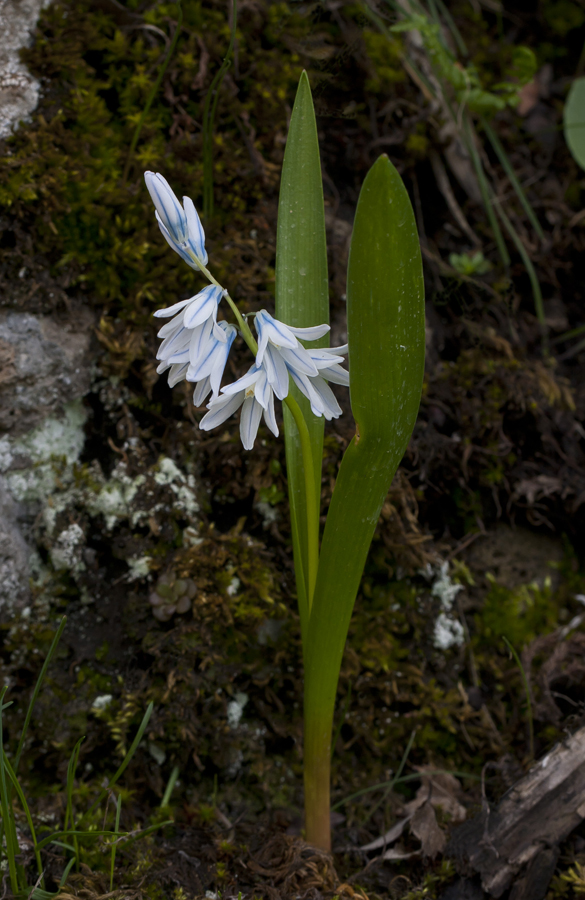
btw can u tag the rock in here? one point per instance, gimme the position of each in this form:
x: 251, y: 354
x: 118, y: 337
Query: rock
x: 14, y: 555
x: 19, y: 90
x: 44, y: 363
x: 28, y: 478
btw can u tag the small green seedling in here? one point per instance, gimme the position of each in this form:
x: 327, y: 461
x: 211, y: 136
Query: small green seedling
x: 476, y: 264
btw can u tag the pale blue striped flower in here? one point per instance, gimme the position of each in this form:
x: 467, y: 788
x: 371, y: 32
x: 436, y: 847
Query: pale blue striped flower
x: 211, y: 360
x: 180, y: 225
x: 255, y: 395
x: 327, y: 360
x: 195, y: 346
x: 280, y: 351
x: 315, y: 387
x: 319, y: 395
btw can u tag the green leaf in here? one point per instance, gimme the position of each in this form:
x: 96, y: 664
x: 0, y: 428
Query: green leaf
x: 386, y: 335
x: 302, y: 299
x: 574, y: 121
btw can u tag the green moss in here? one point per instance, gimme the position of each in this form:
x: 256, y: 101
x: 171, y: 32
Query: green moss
x: 520, y: 615
x: 385, y: 57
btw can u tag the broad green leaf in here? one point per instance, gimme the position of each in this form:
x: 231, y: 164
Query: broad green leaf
x: 385, y: 323
x: 574, y: 121
x: 302, y: 299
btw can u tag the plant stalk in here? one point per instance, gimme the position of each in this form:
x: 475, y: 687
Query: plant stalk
x: 317, y: 776
x: 311, y: 498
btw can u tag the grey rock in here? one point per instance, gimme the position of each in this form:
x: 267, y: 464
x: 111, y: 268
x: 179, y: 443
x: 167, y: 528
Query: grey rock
x: 45, y: 368
x: 44, y: 363
x: 14, y: 554
x: 19, y: 90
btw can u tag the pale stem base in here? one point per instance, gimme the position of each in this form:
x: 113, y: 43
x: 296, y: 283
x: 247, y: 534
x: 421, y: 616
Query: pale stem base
x: 317, y: 766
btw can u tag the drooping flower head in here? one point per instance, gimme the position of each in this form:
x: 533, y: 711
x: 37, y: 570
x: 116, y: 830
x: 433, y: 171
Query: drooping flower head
x: 180, y: 225
x: 253, y: 393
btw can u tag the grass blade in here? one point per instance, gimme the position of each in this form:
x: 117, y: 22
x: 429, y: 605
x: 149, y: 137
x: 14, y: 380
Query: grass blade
x: 534, y: 282
x: 169, y: 789
x: 154, y: 92
x: 7, y: 812
x: 38, y: 686
x: 54, y: 838
x: 508, y: 169
x: 209, y: 110
x: 71, y: 767
x: 66, y: 872
x: 518, y: 662
x: 485, y: 193
x: 122, y: 768
x: 26, y: 810
x: 116, y: 828
x: 395, y: 780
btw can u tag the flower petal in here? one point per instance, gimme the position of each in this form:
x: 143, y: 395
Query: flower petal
x: 269, y: 416
x: 313, y: 333
x: 181, y: 356
x: 170, y: 327
x: 278, y: 333
x: 201, y: 343
x: 220, y: 409
x: 276, y: 371
x: 177, y: 373
x: 202, y: 389
x: 196, y: 233
x: 249, y: 422
x: 324, y: 357
x: 242, y: 383
x: 167, y: 205
x: 175, y: 343
x: 304, y: 385
x: 332, y: 409
x: 262, y: 389
x: 299, y: 360
x: 220, y: 359
x: 212, y: 360
x: 203, y: 305
x: 336, y: 374
x: 174, y: 245
x: 169, y: 311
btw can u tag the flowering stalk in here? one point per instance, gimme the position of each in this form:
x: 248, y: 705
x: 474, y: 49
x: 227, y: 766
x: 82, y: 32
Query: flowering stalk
x: 385, y: 322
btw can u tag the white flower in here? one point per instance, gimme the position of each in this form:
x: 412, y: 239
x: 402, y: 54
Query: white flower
x: 196, y: 316
x: 315, y: 388
x: 319, y: 395
x: 180, y: 225
x: 280, y: 353
x: 327, y: 360
x: 211, y: 359
x: 255, y: 395
x: 195, y: 346
x: 279, y: 350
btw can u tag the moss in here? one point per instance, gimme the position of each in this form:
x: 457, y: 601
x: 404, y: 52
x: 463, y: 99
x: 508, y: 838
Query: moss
x: 385, y: 56
x: 520, y: 614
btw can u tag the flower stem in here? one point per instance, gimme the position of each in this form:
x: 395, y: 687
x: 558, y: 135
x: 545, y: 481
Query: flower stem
x: 311, y: 497
x: 244, y: 327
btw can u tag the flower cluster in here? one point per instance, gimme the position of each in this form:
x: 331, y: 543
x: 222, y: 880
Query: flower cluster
x: 195, y: 345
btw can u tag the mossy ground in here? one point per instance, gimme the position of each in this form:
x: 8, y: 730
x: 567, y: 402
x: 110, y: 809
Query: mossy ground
x: 498, y: 438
